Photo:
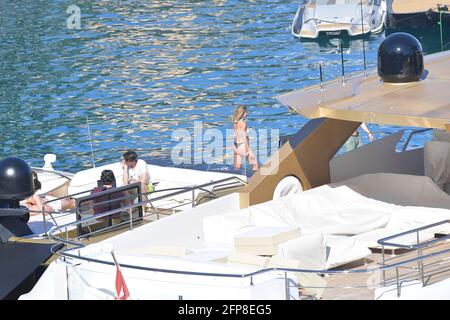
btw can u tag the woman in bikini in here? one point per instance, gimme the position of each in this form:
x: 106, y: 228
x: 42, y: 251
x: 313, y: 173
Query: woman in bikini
x: 241, y: 148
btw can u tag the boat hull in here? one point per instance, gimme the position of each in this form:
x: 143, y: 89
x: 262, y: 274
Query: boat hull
x: 416, y: 20
x: 418, y: 17
x: 312, y: 22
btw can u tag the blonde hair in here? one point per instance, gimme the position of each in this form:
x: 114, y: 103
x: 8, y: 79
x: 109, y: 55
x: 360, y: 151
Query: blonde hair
x: 239, y: 113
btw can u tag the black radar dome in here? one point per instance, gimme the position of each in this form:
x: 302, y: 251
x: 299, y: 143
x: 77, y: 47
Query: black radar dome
x: 16, y: 179
x: 400, y: 58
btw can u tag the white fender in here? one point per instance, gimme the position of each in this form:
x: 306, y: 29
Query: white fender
x: 288, y: 185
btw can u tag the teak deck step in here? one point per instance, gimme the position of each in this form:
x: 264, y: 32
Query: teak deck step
x: 412, y: 6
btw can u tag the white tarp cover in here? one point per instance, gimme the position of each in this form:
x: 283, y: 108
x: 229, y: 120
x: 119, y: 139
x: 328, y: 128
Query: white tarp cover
x: 401, y: 189
x: 332, y: 211
x: 343, y: 250
x: 338, y: 211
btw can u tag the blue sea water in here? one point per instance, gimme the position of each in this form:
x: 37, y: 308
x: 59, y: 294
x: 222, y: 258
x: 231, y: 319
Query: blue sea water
x: 138, y: 70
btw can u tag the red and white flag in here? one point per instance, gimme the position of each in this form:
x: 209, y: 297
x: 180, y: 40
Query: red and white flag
x: 122, y: 292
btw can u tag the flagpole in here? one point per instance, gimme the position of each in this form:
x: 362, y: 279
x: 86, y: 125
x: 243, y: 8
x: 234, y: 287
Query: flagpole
x: 114, y: 258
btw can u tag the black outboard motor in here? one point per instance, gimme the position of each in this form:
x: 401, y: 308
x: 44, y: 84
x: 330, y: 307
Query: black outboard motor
x: 400, y: 58
x: 16, y: 184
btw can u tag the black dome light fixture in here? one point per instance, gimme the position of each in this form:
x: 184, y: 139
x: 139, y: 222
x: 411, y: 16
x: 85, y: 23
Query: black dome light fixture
x: 16, y: 183
x: 400, y: 58
x: 16, y: 179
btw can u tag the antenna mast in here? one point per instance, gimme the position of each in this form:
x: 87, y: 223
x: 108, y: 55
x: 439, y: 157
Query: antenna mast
x: 364, y: 45
x: 321, y: 78
x: 90, y: 140
x: 342, y: 62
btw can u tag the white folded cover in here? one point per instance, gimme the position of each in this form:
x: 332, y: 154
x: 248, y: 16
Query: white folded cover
x: 342, y: 250
x: 319, y: 252
x: 408, y: 218
x: 310, y: 250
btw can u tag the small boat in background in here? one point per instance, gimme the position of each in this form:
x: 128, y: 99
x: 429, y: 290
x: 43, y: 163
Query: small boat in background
x: 417, y: 13
x: 338, y: 17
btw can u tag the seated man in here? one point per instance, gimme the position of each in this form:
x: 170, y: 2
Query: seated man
x: 135, y: 170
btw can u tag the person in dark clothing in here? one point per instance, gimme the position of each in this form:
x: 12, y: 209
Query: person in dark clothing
x: 108, y: 180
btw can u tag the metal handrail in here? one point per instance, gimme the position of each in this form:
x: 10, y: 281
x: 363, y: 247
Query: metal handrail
x: 411, y: 134
x: 289, y: 283
x: 44, y: 212
x: 261, y: 271
x: 62, y: 174
x: 160, y: 190
x: 191, y: 188
x: 419, y: 247
x: 181, y: 190
x: 384, y: 242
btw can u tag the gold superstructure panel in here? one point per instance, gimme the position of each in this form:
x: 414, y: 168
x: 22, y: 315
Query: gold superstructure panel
x: 425, y: 103
x: 413, y: 6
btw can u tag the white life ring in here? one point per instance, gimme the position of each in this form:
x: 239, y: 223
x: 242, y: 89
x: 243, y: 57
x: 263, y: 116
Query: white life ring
x: 287, y: 186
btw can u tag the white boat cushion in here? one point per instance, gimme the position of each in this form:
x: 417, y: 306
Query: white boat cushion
x: 264, y: 240
x: 245, y: 258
